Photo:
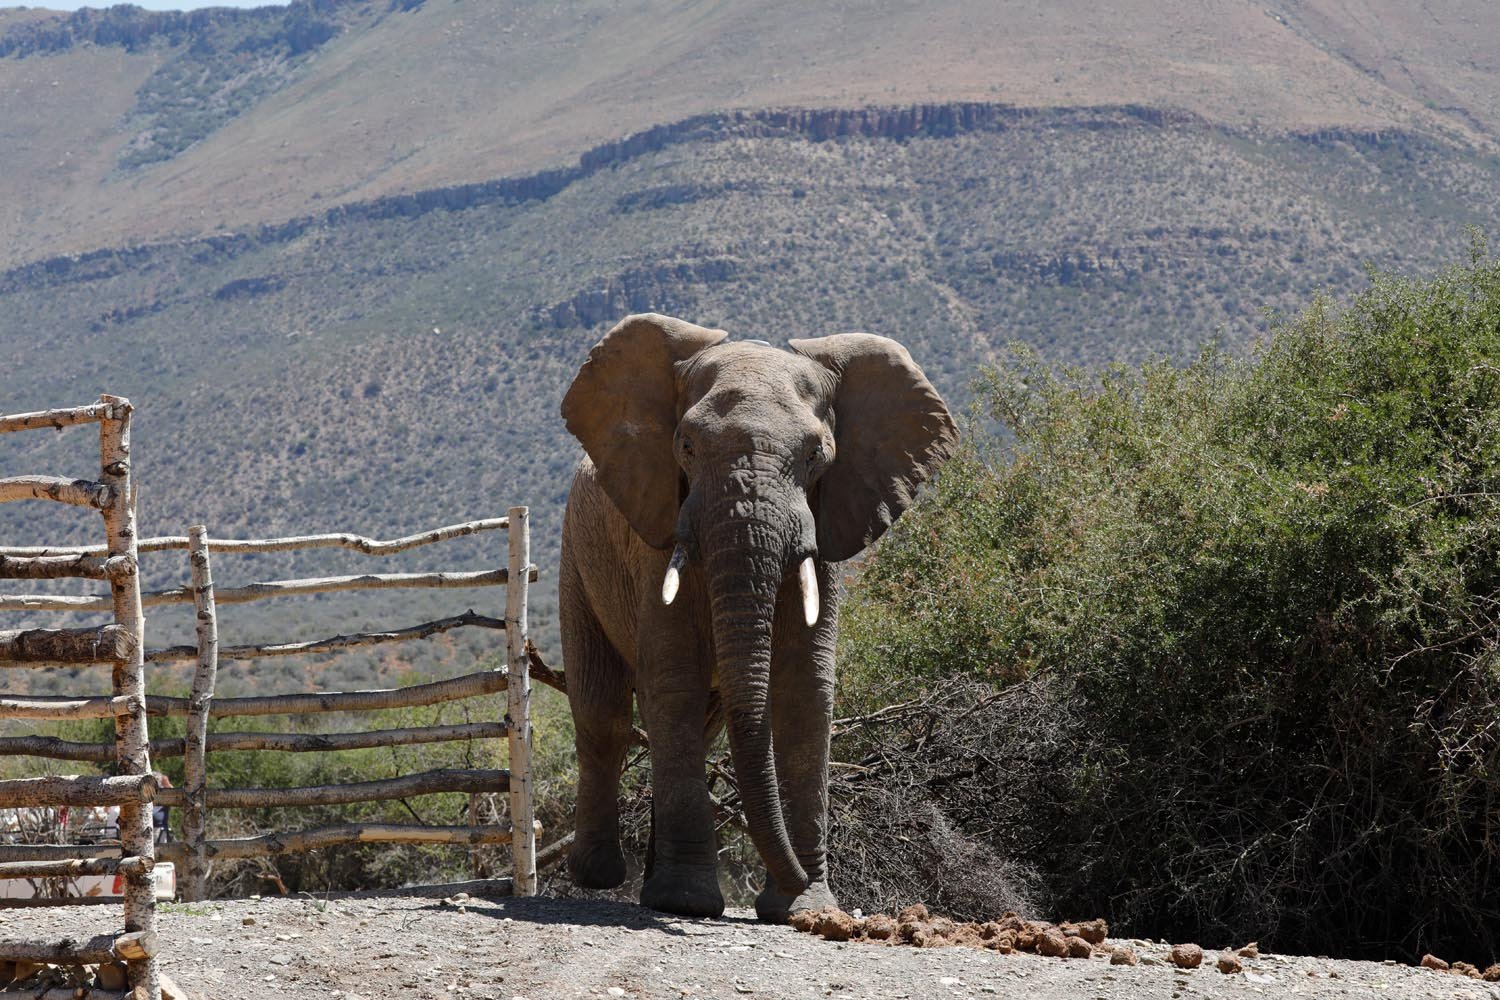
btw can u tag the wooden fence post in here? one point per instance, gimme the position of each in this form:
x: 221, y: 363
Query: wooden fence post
x: 195, y: 764
x: 518, y: 702
x: 134, y: 755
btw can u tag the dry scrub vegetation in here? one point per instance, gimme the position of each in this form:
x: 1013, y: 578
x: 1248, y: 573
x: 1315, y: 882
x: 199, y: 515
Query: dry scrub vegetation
x: 1257, y: 603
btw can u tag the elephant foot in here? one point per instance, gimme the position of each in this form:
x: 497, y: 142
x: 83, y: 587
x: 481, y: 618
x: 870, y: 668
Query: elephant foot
x: 686, y: 891
x: 773, y: 906
x: 597, y: 864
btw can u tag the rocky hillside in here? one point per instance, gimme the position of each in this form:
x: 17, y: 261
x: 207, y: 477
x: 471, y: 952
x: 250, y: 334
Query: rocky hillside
x: 347, y: 285
x: 396, y: 363
x: 125, y: 125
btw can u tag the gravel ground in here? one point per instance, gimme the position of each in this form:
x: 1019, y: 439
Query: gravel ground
x: 388, y: 946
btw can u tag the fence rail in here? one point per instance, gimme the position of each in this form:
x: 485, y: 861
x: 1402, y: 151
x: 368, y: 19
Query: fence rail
x: 268, y: 588
x: 102, y: 753
x: 120, y: 644
x: 369, y: 546
x: 346, y: 833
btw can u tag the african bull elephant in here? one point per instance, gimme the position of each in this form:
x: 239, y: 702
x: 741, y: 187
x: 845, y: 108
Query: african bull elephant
x: 722, y: 480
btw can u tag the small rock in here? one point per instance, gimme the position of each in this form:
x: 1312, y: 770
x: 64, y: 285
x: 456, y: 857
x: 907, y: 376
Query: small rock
x: 1430, y: 961
x: 112, y: 976
x: 1121, y: 955
x: 1186, y: 956
x: 615, y: 991
x: 248, y: 921
x: 951, y: 981
x: 1229, y: 964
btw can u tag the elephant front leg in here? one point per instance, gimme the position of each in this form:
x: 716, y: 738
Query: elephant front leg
x: 673, y: 691
x: 802, y: 686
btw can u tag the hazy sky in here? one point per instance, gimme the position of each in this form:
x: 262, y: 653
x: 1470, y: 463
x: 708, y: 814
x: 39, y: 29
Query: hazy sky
x: 155, y: 4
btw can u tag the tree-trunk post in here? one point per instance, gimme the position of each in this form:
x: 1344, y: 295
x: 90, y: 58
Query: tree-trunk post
x: 518, y: 702
x: 474, y: 858
x: 195, y: 763
x: 129, y: 676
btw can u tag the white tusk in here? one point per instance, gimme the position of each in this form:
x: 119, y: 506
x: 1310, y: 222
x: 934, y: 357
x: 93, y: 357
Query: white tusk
x: 807, y: 575
x: 672, y: 579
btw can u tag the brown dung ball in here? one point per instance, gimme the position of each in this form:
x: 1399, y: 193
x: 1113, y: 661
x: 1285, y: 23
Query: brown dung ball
x: 1122, y: 955
x: 803, y: 921
x: 1430, y: 961
x: 1229, y: 964
x: 833, y: 924
x: 1186, y: 956
x: 1052, y: 944
x: 914, y: 912
x: 879, y: 927
x: 1093, y: 931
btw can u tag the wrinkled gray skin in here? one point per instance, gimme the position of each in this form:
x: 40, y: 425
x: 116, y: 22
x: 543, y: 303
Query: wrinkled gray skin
x: 751, y: 458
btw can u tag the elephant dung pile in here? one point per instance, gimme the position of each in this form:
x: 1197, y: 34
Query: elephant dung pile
x: 1490, y: 975
x: 917, y: 927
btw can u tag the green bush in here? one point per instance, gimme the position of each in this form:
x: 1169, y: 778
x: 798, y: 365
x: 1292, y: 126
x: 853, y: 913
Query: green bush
x: 1268, y: 591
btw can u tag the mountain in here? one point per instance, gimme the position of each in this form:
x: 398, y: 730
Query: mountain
x: 124, y: 125
x: 354, y: 300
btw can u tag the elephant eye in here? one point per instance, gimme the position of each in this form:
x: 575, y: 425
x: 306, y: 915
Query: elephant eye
x: 687, y: 447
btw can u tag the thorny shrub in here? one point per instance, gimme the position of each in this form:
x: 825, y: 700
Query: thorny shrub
x: 1267, y: 595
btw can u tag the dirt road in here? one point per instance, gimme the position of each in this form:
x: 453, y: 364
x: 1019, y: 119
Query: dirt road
x: 381, y: 948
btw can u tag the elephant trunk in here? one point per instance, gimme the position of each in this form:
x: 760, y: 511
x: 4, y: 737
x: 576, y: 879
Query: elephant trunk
x: 744, y: 574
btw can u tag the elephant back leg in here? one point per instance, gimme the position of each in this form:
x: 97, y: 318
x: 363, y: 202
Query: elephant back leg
x: 599, y: 695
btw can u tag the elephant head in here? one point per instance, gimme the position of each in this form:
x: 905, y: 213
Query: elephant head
x: 755, y: 461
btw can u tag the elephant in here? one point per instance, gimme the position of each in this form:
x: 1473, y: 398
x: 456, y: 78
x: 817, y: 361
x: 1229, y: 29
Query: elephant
x: 721, y: 482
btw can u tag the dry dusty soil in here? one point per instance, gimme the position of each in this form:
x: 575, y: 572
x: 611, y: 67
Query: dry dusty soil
x: 379, y: 947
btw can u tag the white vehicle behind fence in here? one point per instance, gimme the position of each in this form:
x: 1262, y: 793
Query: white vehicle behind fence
x: 101, y: 826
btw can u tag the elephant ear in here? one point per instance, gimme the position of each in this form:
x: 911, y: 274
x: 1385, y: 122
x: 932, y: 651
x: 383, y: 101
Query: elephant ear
x: 891, y: 432
x: 622, y: 406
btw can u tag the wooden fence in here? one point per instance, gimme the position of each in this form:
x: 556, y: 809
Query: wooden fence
x: 121, y: 645
x: 197, y: 798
